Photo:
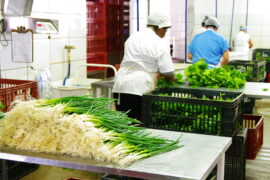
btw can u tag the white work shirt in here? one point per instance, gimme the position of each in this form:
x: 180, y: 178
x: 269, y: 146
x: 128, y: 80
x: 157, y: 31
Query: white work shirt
x: 241, y: 44
x: 145, y: 55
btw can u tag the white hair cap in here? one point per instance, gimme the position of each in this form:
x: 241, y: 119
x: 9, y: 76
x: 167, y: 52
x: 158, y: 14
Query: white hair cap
x: 243, y: 28
x: 159, y: 19
x: 212, y: 21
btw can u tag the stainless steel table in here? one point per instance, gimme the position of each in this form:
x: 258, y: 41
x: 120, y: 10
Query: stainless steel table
x: 257, y: 90
x: 251, y: 89
x: 198, y: 157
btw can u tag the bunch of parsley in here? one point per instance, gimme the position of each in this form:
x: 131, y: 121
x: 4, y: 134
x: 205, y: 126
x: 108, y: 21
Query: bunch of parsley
x: 198, y: 75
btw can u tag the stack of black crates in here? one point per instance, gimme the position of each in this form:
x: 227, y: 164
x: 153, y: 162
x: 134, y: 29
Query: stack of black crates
x: 203, y: 111
x: 263, y: 54
x: 255, y: 69
x: 13, y: 170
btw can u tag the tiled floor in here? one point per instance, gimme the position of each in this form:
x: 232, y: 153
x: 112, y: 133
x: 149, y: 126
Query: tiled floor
x: 255, y: 169
x: 56, y: 173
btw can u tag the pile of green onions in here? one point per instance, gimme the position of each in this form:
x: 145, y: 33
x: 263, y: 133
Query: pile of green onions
x: 82, y: 127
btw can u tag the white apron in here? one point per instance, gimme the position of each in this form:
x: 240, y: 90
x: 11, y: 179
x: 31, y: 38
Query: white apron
x: 135, y: 80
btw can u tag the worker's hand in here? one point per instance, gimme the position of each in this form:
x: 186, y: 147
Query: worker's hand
x: 169, y: 76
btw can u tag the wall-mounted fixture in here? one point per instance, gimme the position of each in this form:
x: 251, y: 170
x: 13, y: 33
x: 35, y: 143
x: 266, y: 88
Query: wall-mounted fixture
x: 17, y: 7
x: 46, y: 26
x: 39, y: 26
x: 16, y: 14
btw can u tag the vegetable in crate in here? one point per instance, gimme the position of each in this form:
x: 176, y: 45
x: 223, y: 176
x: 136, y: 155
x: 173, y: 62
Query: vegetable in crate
x: 82, y: 127
x: 163, y: 82
x: 198, y: 75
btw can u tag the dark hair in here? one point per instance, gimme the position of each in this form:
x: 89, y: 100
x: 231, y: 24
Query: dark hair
x: 211, y: 26
x: 155, y: 27
x: 203, y: 24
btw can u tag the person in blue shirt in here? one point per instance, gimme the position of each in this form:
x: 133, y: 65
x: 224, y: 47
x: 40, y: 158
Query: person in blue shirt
x: 210, y: 46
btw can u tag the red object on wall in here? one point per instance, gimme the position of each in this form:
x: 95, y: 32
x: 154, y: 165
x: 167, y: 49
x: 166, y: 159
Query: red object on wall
x: 107, y: 30
x: 98, y: 58
x: 96, y: 33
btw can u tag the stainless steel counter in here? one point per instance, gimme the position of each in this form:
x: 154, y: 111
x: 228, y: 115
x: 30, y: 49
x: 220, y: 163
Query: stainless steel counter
x: 198, y: 157
x: 257, y: 90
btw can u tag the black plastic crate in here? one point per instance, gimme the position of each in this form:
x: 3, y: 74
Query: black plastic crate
x: 255, y: 69
x: 235, y: 157
x: 193, y: 110
x: 13, y: 170
x: 249, y: 104
x: 261, y: 54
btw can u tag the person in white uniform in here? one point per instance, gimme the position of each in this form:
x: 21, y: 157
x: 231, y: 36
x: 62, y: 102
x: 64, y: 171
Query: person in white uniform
x: 146, y: 53
x: 242, y: 43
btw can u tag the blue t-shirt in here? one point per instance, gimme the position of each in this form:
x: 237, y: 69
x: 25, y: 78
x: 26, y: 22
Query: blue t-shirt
x: 208, y: 45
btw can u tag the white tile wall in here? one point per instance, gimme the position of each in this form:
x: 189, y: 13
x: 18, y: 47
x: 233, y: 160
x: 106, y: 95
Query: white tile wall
x: 205, y: 6
x: 40, y: 6
x: 257, y: 8
x: 42, y: 15
x: 142, y: 22
x: 59, y: 6
x: 255, y: 19
x: 58, y: 71
x: 160, y: 6
x: 224, y: 7
x: 133, y: 26
x: 63, y: 25
x: 239, y: 19
x: 42, y: 52
x: 75, y: 70
x: 178, y: 25
x: 77, y: 26
x: 57, y: 50
x: 224, y: 30
x: 240, y: 6
x: 255, y: 29
x: 143, y: 13
x: 266, y: 19
x: 133, y: 9
x: 143, y: 9
x: 6, y: 58
x: 77, y: 7
x: 7, y: 37
x: 265, y: 43
x: 80, y: 52
x: 257, y: 40
x: 265, y: 30
x: 20, y: 74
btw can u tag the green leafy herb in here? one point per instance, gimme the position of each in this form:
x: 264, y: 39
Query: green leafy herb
x: 163, y: 82
x: 198, y: 75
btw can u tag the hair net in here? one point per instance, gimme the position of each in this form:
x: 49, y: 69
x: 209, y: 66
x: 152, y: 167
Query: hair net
x: 158, y: 19
x: 243, y: 28
x: 212, y: 21
x: 205, y: 18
